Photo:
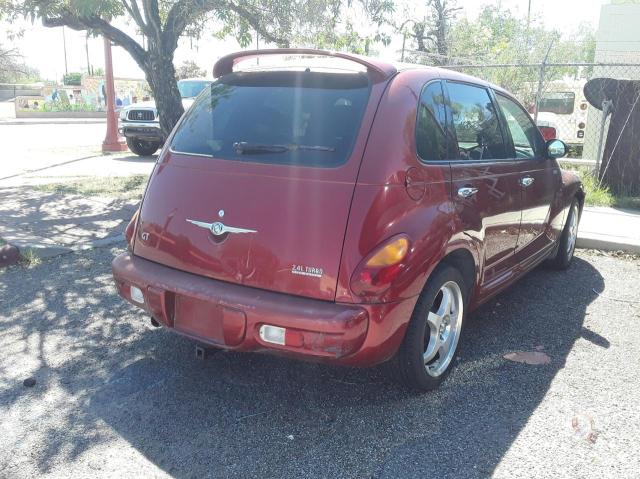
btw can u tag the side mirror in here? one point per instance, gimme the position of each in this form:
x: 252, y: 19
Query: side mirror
x: 556, y: 149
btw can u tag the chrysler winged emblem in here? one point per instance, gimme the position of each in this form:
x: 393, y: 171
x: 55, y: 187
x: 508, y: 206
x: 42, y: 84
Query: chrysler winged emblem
x: 218, y: 229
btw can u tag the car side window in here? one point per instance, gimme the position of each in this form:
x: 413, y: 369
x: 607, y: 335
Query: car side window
x: 476, y: 123
x: 431, y: 136
x: 526, y: 138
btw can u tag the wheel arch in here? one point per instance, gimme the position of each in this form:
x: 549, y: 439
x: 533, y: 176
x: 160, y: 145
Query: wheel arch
x: 465, y: 258
x: 464, y: 261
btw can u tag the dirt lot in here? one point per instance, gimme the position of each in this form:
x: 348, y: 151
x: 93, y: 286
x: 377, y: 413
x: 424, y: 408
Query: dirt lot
x: 116, y: 397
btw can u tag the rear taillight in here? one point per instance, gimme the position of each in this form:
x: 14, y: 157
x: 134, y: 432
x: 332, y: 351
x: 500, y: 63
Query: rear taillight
x: 548, y: 132
x: 376, y: 272
x: 131, y: 229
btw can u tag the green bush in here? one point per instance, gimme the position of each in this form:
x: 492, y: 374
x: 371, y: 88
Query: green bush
x: 74, y: 78
x: 600, y: 195
x: 60, y: 106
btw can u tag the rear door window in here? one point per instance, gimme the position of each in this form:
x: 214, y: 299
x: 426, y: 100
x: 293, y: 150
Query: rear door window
x: 527, y: 140
x: 431, y: 134
x: 295, y: 118
x: 476, y: 123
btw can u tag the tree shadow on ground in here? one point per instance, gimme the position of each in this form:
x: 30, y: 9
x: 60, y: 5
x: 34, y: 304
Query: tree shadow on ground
x: 63, y: 218
x: 137, y: 159
x: 251, y: 415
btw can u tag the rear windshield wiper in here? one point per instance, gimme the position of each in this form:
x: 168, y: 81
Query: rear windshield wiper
x: 243, y: 147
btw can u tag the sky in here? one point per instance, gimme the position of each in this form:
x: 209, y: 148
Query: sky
x: 43, y: 47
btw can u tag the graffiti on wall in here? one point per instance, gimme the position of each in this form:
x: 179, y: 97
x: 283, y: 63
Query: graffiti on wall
x: 89, y: 96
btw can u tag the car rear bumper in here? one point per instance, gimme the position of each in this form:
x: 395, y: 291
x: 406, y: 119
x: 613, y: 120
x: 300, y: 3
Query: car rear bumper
x: 229, y: 316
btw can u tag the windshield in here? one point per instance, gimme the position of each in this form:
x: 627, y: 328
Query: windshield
x: 192, y: 88
x: 298, y: 118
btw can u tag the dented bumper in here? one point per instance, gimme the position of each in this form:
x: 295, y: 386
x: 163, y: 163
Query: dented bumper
x: 230, y: 316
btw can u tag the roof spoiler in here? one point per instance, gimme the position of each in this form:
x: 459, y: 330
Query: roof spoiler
x: 379, y: 70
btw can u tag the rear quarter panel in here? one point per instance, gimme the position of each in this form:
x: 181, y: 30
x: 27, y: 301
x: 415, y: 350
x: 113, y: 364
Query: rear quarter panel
x: 571, y: 188
x: 384, y: 206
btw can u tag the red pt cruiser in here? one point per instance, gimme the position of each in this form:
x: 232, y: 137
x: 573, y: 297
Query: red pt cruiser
x: 353, y: 215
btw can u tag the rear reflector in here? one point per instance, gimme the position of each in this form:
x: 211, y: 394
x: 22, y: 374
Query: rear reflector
x: 294, y: 338
x: 272, y: 334
x: 136, y: 294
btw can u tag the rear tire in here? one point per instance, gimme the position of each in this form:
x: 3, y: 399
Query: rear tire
x: 568, y: 238
x: 430, y: 346
x: 142, y: 147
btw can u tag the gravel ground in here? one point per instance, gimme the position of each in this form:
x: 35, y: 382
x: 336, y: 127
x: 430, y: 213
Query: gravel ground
x: 115, y: 397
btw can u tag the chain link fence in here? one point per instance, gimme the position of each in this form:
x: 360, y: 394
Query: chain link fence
x: 554, y: 95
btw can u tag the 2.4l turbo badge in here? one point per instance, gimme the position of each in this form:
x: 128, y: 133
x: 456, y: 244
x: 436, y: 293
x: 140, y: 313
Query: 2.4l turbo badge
x: 306, y: 270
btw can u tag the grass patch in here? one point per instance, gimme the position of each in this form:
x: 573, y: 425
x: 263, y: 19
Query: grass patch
x: 28, y: 258
x: 124, y: 187
x: 599, y: 195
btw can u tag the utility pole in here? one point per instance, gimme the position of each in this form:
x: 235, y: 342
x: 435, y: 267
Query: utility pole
x: 543, y: 67
x: 404, y: 41
x: 112, y: 141
x: 86, y: 47
x: 64, y: 47
x: 257, y: 47
x: 404, y: 36
x: 529, y: 15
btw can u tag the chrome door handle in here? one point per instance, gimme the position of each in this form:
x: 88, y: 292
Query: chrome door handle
x: 526, y: 181
x: 467, y: 192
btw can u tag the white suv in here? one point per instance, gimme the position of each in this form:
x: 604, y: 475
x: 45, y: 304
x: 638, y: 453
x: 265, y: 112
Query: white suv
x: 139, y: 122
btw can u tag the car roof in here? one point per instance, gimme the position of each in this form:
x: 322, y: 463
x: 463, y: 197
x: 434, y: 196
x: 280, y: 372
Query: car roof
x: 448, y: 74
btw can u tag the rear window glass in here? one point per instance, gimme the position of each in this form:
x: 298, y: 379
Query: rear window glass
x: 561, y: 103
x: 297, y: 118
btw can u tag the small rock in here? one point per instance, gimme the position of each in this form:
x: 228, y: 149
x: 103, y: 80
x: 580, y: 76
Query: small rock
x: 290, y: 437
x: 29, y: 382
x: 9, y: 255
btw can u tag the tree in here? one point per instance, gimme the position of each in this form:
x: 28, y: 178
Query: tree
x: 13, y: 69
x: 163, y: 22
x: 497, y: 36
x: 442, y: 14
x: 189, y: 69
x: 432, y: 32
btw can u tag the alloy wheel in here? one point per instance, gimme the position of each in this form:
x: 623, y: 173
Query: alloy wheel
x: 444, y: 323
x: 573, y: 231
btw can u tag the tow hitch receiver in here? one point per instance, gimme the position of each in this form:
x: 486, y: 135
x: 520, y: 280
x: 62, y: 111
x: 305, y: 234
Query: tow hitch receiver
x: 203, y: 352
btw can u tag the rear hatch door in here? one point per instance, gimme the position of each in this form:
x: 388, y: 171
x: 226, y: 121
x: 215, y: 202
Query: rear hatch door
x: 256, y: 186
